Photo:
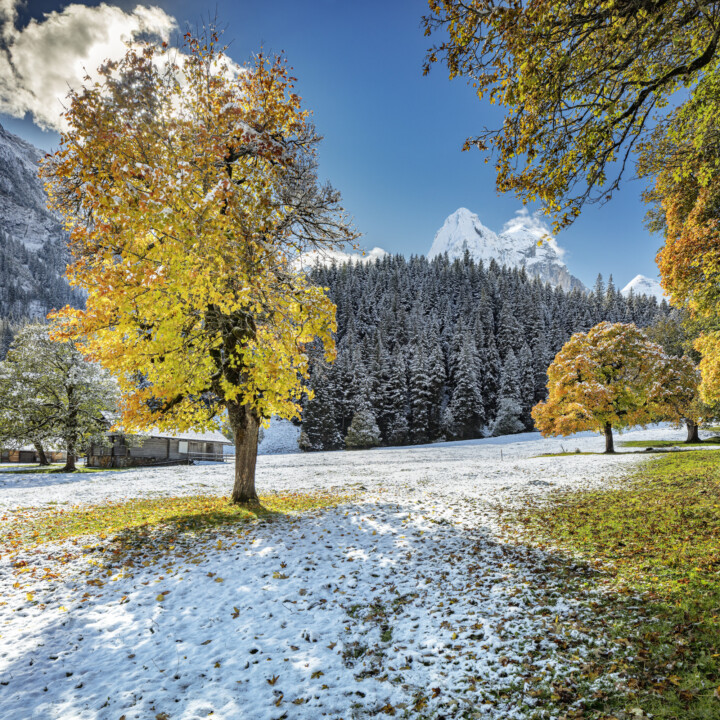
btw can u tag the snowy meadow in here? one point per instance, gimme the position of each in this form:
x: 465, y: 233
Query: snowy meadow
x: 407, y: 599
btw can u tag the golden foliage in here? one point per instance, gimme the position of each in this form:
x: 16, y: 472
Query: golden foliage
x: 613, y: 375
x: 683, y: 160
x: 189, y: 187
x: 579, y: 83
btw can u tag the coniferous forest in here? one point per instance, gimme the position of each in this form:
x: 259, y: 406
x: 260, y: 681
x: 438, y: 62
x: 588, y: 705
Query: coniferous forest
x: 433, y: 350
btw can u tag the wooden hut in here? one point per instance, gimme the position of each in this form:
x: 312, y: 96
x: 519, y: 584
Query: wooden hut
x: 28, y: 454
x: 158, y: 448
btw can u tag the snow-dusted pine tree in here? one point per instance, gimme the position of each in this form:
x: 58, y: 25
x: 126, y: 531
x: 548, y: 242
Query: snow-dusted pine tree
x: 510, y: 333
x: 363, y: 431
x: 320, y: 429
x: 507, y: 421
x: 395, y: 404
x: 466, y: 411
x: 420, y: 397
x: 437, y: 379
x: 510, y: 410
x: 527, y: 385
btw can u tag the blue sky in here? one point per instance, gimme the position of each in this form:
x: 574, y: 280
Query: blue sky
x: 392, y: 137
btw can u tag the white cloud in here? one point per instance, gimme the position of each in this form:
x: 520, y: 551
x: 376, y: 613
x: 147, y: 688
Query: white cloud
x: 39, y: 62
x: 8, y: 13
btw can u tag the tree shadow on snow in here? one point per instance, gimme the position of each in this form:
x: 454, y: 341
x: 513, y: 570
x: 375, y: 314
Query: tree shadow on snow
x: 357, y: 604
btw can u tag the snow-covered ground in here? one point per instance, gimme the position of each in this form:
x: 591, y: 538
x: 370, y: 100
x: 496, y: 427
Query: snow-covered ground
x: 405, y: 601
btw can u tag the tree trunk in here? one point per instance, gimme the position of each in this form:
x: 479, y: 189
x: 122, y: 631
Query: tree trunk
x: 245, y: 427
x: 609, y: 445
x: 692, y: 432
x: 71, y: 435
x: 40, y: 450
x: 70, y: 460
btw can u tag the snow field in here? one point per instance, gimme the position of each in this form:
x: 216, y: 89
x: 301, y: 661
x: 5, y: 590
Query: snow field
x: 406, y: 601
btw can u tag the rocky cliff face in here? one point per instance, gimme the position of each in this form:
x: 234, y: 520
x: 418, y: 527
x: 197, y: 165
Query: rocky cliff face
x: 33, y: 244
x: 523, y: 243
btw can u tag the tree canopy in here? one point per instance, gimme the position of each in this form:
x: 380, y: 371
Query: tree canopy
x: 613, y: 377
x: 190, y: 189
x: 590, y: 88
x: 580, y: 83
x: 50, y: 394
x: 682, y: 158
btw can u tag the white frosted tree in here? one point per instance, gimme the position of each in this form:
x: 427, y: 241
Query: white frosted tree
x: 50, y: 393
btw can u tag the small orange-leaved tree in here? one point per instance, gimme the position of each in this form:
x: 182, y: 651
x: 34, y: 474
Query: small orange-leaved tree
x: 613, y: 377
x: 190, y: 188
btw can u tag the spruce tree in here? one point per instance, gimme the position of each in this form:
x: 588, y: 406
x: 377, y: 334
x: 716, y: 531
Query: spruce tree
x: 395, y: 398
x: 363, y: 431
x: 420, y: 397
x: 466, y: 408
x: 490, y: 379
x: 510, y: 331
x: 437, y: 379
x: 510, y: 409
x: 527, y: 385
x: 507, y: 421
x: 320, y: 429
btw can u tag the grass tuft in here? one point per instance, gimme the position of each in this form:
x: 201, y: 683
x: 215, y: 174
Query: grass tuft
x: 29, y: 527
x: 669, y: 443
x: 659, y: 536
x: 53, y: 470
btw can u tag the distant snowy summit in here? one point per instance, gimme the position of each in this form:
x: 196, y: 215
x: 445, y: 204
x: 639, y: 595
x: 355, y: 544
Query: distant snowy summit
x: 642, y: 285
x: 523, y: 243
x: 339, y: 257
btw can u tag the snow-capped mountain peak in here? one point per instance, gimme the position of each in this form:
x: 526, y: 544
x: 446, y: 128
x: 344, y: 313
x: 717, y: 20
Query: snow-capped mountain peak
x: 463, y: 231
x: 642, y: 285
x: 524, y: 242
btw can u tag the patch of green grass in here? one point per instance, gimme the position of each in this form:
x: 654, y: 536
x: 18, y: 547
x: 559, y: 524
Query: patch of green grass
x: 565, y: 454
x: 659, y: 536
x: 52, y: 469
x: 669, y: 443
x: 193, y: 513
x: 15, y: 466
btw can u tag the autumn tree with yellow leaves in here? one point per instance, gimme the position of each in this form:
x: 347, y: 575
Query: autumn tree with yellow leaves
x: 581, y: 84
x: 613, y: 377
x: 682, y: 158
x: 591, y: 91
x: 190, y: 189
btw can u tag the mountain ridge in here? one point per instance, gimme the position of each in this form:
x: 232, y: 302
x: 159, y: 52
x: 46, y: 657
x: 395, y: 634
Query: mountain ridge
x: 524, y: 242
x: 33, y: 242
